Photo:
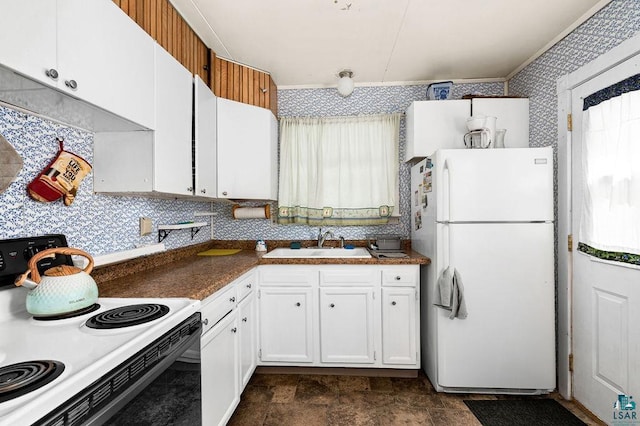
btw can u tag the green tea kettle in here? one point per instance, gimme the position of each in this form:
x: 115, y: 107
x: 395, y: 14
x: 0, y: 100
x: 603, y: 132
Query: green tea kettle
x: 63, y: 289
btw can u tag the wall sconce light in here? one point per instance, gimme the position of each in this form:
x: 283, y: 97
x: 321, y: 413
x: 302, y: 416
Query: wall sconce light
x: 345, y: 84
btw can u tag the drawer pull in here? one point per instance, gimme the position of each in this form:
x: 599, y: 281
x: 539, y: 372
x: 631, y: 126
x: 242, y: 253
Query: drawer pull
x: 398, y: 278
x: 298, y: 304
x: 71, y: 84
x: 393, y: 303
x: 332, y: 305
x: 244, y: 319
x: 249, y: 285
x: 232, y: 300
x: 206, y: 321
x: 234, y: 330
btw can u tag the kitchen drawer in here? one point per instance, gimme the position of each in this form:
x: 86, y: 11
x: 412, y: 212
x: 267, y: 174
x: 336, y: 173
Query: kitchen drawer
x: 245, y: 284
x: 220, y: 305
x: 400, y: 277
x: 287, y: 276
x: 353, y: 276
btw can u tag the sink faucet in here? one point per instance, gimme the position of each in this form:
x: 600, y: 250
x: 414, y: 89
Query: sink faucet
x: 323, y: 237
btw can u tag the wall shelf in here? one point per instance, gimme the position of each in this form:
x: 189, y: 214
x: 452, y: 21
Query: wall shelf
x: 165, y: 230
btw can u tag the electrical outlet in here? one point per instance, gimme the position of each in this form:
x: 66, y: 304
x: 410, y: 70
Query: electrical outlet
x: 145, y: 226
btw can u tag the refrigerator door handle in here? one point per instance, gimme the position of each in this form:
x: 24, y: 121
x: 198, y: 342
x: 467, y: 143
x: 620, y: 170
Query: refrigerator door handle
x: 446, y: 190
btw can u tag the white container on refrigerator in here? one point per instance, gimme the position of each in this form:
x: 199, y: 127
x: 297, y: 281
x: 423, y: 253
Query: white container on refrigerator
x: 489, y: 214
x: 434, y: 125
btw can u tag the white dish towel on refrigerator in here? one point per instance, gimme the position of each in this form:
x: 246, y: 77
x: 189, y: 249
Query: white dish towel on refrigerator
x: 449, y: 294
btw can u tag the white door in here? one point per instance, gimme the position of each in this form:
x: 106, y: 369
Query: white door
x: 248, y: 346
x: 205, y: 139
x: 606, y: 296
x: 399, y: 344
x: 290, y: 309
x: 472, y: 185
x: 507, y: 340
x: 219, y: 370
x: 346, y: 325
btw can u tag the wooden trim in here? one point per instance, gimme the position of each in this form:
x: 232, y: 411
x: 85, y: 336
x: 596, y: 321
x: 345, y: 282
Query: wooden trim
x: 227, y: 79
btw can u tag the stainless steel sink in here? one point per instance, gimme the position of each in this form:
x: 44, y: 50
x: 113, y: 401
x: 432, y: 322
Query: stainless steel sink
x: 319, y: 253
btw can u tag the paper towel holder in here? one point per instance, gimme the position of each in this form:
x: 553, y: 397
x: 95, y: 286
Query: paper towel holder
x: 260, y: 212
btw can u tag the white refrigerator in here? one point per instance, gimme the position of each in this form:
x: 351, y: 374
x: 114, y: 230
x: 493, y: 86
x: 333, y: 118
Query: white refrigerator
x: 488, y: 213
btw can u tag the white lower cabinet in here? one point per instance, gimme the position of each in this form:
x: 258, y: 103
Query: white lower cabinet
x: 286, y: 324
x: 228, y: 349
x: 339, y: 316
x: 399, y: 343
x: 219, y: 369
x: 347, y: 325
x: 247, y: 336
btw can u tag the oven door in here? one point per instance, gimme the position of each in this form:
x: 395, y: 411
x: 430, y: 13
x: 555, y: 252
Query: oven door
x: 172, y: 398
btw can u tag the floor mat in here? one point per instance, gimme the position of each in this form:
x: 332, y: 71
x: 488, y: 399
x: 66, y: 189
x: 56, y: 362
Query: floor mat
x: 522, y: 412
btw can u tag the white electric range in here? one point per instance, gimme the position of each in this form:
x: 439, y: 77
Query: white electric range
x: 93, y: 372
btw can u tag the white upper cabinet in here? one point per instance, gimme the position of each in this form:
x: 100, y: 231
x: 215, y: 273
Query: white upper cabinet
x: 172, y: 171
x: 158, y: 162
x: 90, y: 50
x: 29, y: 40
x: 432, y: 125
x: 205, y: 139
x: 247, y: 152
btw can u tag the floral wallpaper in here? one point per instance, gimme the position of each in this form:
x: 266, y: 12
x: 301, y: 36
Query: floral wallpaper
x: 95, y: 223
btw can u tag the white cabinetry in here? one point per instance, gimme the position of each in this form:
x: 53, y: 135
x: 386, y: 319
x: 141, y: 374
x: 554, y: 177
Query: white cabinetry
x: 89, y: 49
x: 400, y: 311
x: 247, y: 147
x: 219, y: 369
x: 347, y: 314
x: 433, y: 125
x: 286, y: 314
x: 228, y: 348
x: 337, y: 315
x: 152, y: 162
x: 205, y: 107
x: 346, y: 325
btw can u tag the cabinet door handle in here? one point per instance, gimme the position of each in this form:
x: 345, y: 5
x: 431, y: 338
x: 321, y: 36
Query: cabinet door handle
x: 393, y: 303
x: 244, y: 319
x: 249, y: 285
x: 234, y: 330
x: 298, y: 304
x: 332, y: 305
x: 71, y: 84
x: 206, y: 321
x: 398, y: 278
x: 224, y: 193
x: 203, y: 190
x: 233, y: 299
x: 190, y: 189
x: 52, y: 73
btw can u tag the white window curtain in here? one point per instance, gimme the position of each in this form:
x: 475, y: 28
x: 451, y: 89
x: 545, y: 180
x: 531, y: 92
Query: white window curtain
x: 611, y: 176
x: 338, y: 170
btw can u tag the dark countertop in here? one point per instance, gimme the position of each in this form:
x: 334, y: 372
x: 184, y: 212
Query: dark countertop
x: 182, y: 273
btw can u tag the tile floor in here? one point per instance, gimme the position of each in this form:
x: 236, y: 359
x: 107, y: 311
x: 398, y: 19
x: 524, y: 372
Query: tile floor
x: 324, y: 400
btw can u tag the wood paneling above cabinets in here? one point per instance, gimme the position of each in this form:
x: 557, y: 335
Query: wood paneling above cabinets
x: 244, y: 84
x: 165, y: 25
x: 227, y: 79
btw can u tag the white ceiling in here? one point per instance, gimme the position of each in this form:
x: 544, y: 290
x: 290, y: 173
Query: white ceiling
x: 308, y: 42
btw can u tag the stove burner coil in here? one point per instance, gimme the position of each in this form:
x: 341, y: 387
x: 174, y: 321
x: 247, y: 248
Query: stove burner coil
x: 73, y: 314
x: 24, y: 377
x: 127, y: 316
